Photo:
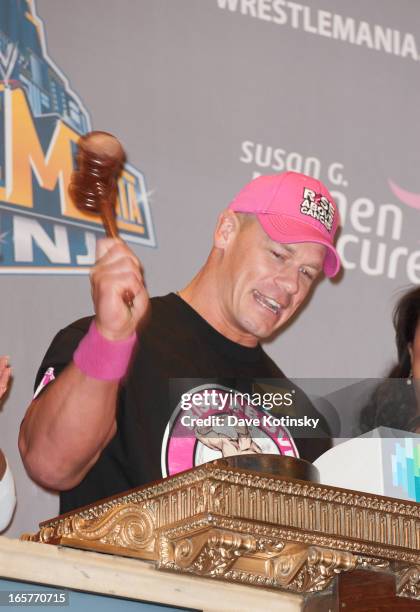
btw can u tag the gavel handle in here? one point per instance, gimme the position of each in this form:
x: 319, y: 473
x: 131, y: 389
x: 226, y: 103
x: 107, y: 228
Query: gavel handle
x: 111, y: 230
x: 108, y: 219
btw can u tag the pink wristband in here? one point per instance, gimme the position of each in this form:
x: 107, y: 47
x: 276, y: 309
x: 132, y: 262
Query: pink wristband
x: 104, y: 359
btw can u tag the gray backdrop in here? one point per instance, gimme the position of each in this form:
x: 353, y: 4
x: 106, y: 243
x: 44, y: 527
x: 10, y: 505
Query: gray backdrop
x: 204, y: 94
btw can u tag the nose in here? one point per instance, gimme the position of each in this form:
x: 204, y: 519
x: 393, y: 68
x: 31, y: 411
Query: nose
x: 289, y: 280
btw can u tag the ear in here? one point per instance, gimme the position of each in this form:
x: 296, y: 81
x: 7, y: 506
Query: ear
x: 410, y: 350
x: 227, y: 228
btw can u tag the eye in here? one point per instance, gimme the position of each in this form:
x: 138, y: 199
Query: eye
x: 306, y: 273
x: 278, y: 255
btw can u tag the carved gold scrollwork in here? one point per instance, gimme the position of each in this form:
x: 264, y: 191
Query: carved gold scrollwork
x: 408, y: 582
x: 324, y: 563
x: 372, y: 563
x: 186, y: 550
x: 29, y: 537
x: 130, y: 527
x: 305, y: 569
x: 47, y: 534
x: 284, y: 567
x: 270, y: 546
x: 251, y: 528
x: 213, y: 552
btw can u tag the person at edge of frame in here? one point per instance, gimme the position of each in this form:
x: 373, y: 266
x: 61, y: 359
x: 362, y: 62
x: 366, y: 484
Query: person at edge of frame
x: 7, y: 486
x: 396, y: 400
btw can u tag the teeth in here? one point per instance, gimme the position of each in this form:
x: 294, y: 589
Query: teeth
x: 267, y: 302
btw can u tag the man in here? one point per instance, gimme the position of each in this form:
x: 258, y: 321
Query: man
x: 103, y: 427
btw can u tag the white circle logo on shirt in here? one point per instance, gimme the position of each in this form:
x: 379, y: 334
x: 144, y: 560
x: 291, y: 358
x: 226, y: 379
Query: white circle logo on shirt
x: 210, y: 426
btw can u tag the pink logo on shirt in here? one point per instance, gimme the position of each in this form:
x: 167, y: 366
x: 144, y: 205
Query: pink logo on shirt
x: 46, y: 379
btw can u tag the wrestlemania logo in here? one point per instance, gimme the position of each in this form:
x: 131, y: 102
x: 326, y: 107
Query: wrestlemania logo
x: 41, y: 120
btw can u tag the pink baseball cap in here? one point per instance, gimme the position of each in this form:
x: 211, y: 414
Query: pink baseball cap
x: 293, y: 207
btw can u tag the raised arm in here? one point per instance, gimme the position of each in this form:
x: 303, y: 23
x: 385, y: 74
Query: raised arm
x: 67, y: 426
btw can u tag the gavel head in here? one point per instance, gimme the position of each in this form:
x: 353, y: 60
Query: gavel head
x: 100, y: 159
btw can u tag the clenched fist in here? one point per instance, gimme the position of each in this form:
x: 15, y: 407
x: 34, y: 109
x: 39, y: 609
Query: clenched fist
x: 116, y: 273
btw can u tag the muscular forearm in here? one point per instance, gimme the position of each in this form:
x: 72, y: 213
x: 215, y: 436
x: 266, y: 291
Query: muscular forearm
x: 69, y: 424
x: 66, y: 428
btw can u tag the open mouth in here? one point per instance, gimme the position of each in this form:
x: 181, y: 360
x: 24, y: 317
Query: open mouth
x: 267, y: 302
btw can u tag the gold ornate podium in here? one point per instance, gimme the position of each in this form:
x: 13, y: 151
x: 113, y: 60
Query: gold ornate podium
x: 251, y: 528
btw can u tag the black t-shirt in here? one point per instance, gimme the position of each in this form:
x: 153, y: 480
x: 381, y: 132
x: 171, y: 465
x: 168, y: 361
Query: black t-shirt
x: 181, y: 356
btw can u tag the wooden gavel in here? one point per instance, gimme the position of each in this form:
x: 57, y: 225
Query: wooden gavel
x: 93, y: 186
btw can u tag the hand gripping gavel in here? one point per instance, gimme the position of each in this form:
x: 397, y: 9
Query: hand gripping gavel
x: 93, y: 186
